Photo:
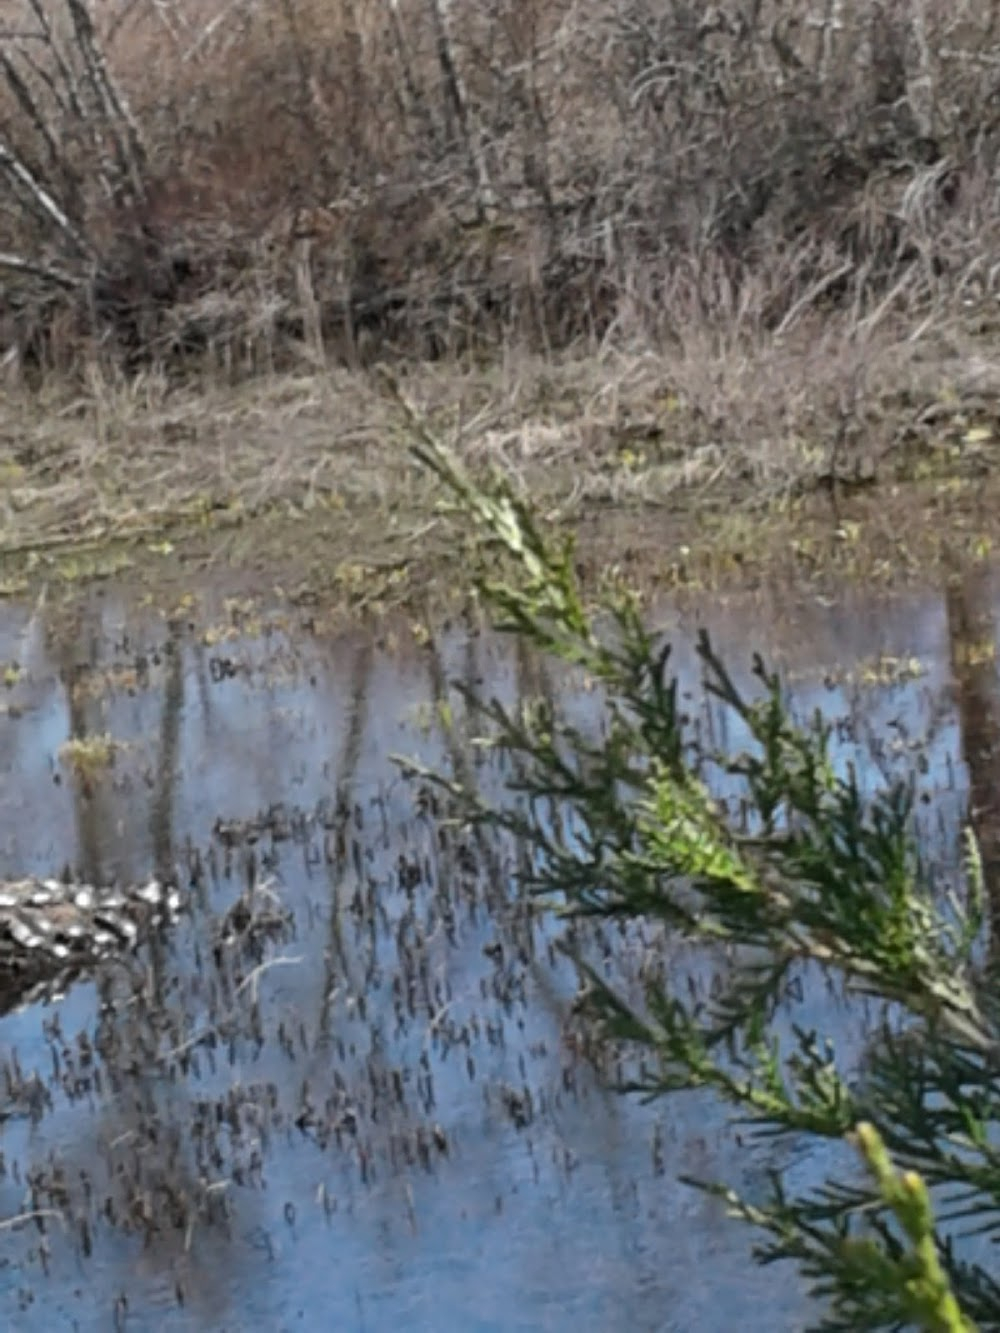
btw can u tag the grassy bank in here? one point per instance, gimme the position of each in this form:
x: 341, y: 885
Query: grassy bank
x: 733, y: 266
x: 726, y: 464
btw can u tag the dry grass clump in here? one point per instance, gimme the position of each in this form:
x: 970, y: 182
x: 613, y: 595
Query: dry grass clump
x: 738, y: 411
x: 246, y: 184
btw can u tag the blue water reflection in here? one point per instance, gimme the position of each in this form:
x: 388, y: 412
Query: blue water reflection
x: 490, y: 1181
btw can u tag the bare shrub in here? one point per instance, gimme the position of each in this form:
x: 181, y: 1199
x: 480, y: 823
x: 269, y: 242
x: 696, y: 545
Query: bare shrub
x: 248, y: 181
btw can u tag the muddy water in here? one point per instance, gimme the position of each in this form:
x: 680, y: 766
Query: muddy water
x: 346, y: 1090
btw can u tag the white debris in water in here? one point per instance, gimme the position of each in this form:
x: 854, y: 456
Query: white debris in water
x: 51, y: 924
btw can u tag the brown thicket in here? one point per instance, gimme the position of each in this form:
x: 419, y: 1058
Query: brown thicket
x: 238, y: 182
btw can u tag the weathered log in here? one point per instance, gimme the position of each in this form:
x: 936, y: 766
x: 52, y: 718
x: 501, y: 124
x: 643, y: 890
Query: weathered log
x: 51, y: 932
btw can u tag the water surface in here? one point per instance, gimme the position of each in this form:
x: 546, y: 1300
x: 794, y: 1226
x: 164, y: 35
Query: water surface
x: 361, y: 1104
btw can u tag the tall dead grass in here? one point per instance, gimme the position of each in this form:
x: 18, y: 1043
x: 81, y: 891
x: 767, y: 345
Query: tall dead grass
x: 247, y: 184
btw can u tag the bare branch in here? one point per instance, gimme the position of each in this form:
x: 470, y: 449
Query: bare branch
x: 35, y: 269
x: 121, y: 122
x: 29, y: 107
x: 43, y: 201
x: 458, y: 96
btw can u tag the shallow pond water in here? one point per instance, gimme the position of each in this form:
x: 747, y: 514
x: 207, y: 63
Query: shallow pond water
x: 344, y: 1091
